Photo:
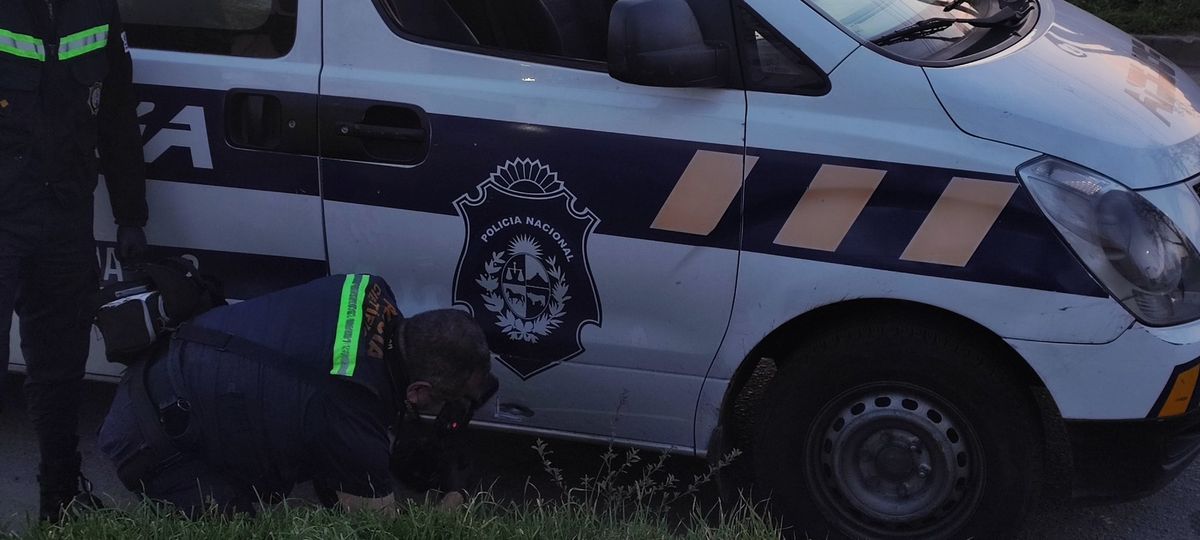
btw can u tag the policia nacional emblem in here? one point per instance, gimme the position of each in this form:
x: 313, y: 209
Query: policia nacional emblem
x: 524, y: 270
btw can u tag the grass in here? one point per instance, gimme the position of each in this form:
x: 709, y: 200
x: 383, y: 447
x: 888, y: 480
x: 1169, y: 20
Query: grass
x: 482, y: 517
x: 626, y: 497
x: 1148, y: 17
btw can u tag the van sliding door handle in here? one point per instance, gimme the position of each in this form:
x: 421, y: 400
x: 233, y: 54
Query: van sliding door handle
x: 271, y: 121
x: 515, y: 410
x: 373, y: 131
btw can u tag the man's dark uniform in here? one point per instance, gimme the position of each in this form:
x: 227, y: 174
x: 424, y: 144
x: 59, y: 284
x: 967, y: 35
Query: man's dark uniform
x: 65, y: 92
x: 258, y: 396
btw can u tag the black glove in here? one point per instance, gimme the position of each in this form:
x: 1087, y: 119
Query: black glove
x: 417, y: 454
x: 426, y: 455
x: 326, y: 495
x: 131, y: 244
x: 457, y: 473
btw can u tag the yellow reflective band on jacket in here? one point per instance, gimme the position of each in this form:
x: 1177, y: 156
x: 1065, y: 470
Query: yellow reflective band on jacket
x: 22, y: 45
x: 84, y: 42
x: 349, y: 326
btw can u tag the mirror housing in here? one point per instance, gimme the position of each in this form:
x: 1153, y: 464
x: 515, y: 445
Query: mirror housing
x: 659, y: 43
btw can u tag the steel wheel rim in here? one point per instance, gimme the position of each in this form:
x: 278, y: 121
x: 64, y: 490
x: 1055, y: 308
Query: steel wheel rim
x: 893, y: 458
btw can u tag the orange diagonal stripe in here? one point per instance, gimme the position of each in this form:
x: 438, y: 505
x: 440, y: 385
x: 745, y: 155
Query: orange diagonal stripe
x: 959, y: 221
x: 703, y: 194
x: 829, y: 207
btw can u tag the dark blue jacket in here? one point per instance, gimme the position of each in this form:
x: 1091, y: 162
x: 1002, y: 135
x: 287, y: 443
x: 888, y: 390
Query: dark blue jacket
x: 66, y: 91
x: 319, y: 410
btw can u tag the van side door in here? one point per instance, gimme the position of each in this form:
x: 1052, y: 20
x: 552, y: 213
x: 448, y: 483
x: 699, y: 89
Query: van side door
x: 478, y: 155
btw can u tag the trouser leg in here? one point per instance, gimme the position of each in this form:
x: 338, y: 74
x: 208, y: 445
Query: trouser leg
x: 9, y: 263
x: 194, y: 488
x: 57, y: 283
x: 55, y: 331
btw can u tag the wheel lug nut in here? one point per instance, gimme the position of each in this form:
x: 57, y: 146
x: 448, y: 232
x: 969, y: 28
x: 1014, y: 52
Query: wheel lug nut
x: 923, y: 471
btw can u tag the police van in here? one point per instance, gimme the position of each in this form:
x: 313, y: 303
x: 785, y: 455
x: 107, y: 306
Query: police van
x: 926, y: 261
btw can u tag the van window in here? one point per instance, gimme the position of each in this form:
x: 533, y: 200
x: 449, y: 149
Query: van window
x: 254, y: 28
x: 573, y: 29
x: 770, y: 63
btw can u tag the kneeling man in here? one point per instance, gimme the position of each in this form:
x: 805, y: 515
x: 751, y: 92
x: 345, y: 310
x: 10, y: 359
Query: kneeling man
x: 247, y: 400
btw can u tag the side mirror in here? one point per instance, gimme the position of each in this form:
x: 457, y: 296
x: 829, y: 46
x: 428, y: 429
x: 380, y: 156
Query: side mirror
x: 659, y: 43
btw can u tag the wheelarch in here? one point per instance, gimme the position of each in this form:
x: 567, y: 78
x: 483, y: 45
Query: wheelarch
x: 738, y: 410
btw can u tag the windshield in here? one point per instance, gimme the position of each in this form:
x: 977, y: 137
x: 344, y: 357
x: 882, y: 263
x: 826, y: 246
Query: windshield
x: 869, y: 19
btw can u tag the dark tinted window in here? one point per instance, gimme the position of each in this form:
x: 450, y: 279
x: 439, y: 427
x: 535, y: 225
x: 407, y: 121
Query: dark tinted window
x: 574, y: 29
x: 772, y: 64
x: 255, y: 28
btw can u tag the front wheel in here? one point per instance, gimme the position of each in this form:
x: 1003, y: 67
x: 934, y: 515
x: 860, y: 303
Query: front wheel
x: 891, y: 429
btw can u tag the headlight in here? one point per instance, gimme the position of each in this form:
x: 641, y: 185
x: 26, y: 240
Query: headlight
x: 1135, y: 250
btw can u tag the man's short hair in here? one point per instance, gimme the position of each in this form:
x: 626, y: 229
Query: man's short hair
x: 444, y: 347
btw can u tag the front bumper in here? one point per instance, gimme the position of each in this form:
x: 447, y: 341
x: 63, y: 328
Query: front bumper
x: 1121, y: 380
x: 1126, y: 459
x: 1126, y: 420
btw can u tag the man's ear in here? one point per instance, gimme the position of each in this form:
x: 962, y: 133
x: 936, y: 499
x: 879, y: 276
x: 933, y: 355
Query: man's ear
x: 419, y: 394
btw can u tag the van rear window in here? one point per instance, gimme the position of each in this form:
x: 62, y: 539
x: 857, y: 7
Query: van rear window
x: 253, y: 28
x: 570, y: 29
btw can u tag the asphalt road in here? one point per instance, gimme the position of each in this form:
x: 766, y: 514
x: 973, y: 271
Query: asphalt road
x: 509, y: 464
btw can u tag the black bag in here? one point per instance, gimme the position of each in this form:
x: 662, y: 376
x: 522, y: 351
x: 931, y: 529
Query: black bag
x: 156, y: 299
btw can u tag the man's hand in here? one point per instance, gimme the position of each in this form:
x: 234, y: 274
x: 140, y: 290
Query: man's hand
x: 452, y: 500
x: 131, y: 244
x: 355, y: 503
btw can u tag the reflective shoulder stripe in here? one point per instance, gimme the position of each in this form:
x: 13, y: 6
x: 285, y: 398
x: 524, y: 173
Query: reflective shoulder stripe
x: 84, y: 42
x: 349, y: 326
x: 22, y: 45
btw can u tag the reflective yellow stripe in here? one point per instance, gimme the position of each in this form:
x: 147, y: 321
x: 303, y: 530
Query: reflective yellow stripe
x: 349, y: 326
x: 22, y: 45
x: 84, y: 42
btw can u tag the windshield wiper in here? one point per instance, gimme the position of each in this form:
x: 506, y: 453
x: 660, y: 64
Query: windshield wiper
x: 1008, y: 16
x: 954, y: 5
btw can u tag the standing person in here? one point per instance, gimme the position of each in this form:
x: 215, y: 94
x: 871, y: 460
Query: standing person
x: 66, y: 92
x: 248, y: 400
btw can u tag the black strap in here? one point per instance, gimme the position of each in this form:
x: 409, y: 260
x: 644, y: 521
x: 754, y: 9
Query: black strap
x: 226, y: 342
x: 159, y: 450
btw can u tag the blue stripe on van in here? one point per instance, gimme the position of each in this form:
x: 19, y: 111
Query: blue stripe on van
x: 625, y: 180
x: 1021, y: 250
x: 232, y: 167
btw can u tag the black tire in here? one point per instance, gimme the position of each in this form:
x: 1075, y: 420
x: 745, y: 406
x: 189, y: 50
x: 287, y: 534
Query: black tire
x: 896, y: 428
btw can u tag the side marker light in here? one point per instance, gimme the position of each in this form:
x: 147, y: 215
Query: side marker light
x: 1181, y: 393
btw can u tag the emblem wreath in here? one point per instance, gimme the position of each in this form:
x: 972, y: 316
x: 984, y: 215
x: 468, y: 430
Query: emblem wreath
x: 513, y: 326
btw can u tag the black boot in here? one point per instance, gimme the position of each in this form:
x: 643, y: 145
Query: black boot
x: 64, y: 489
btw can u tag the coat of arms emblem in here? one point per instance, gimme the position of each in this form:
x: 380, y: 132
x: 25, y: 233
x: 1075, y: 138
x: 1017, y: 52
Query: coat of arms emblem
x: 524, y: 272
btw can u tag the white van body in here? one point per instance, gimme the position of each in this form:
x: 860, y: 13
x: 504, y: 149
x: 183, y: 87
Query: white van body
x: 634, y: 251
